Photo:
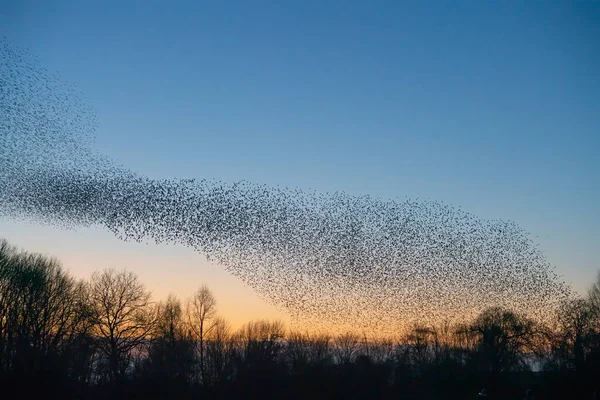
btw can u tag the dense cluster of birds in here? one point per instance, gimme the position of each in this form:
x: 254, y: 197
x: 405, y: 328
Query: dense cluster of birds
x: 328, y: 259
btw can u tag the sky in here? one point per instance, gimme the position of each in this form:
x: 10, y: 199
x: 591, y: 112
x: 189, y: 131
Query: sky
x: 490, y: 106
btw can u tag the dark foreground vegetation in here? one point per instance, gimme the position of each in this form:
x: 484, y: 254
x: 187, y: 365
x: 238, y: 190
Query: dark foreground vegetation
x: 106, y: 339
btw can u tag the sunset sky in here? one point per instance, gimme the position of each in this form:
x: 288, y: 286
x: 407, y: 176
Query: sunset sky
x: 490, y: 106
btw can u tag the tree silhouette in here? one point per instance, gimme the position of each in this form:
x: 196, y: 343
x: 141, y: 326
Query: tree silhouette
x: 594, y: 299
x: 201, y: 309
x: 123, y: 314
x: 44, y: 317
x: 503, y: 336
x: 171, y: 353
x: 576, y: 321
x: 346, y: 347
x: 261, y: 342
x: 219, y: 350
x: 71, y: 337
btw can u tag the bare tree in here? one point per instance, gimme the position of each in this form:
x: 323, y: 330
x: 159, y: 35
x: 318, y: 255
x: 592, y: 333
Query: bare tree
x: 442, y: 340
x: 346, y: 347
x: 8, y: 297
x: 421, y: 340
x: 43, y: 311
x: 171, y: 354
x: 594, y: 298
x: 381, y: 350
x: 170, y: 324
x: 503, y: 337
x: 201, y: 310
x: 219, y: 349
x: 319, y: 348
x: 303, y: 350
x: 124, y: 316
x: 296, y: 349
x: 575, y: 333
x: 261, y: 342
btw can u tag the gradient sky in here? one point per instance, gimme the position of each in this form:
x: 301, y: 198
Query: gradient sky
x: 491, y: 106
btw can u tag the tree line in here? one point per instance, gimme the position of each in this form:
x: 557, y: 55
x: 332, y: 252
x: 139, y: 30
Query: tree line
x: 106, y: 338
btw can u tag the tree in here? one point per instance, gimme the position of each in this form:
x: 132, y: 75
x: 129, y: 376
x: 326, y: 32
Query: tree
x: 219, y: 350
x: 380, y: 350
x: 171, y: 355
x: 261, y: 342
x: 421, y: 340
x: 502, y: 337
x: 575, y: 333
x: 296, y: 350
x: 304, y: 350
x: 201, y: 310
x: 258, y: 356
x: 319, y: 349
x: 170, y: 325
x: 43, y: 312
x: 346, y: 347
x: 124, y: 316
x: 8, y: 298
x: 594, y: 299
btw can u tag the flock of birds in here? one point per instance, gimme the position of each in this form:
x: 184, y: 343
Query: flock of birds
x: 328, y: 259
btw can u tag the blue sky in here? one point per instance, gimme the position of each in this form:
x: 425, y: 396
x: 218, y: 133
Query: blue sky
x: 491, y: 106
